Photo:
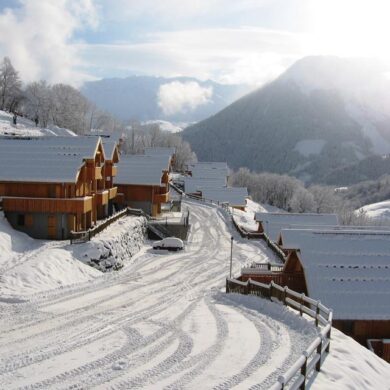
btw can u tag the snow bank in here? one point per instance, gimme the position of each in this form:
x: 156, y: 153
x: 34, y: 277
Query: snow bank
x: 351, y: 366
x: 110, y: 249
x: 29, y: 266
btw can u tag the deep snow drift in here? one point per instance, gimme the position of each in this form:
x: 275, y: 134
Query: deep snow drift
x: 29, y: 266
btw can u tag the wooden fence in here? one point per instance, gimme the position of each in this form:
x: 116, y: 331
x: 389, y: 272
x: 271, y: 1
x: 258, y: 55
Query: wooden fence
x: 311, y: 358
x: 80, y: 237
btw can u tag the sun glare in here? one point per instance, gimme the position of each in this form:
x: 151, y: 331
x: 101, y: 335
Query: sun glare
x: 350, y: 27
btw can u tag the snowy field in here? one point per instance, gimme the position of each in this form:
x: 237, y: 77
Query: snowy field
x: 163, y: 322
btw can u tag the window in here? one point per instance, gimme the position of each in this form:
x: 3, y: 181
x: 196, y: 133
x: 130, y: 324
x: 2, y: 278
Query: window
x: 21, y: 221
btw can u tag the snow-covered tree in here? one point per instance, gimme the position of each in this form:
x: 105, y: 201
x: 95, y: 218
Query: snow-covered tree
x: 10, y: 86
x: 70, y: 108
x: 37, y: 103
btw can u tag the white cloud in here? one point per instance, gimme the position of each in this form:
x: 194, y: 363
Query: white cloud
x: 37, y: 36
x: 239, y: 55
x: 180, y: 97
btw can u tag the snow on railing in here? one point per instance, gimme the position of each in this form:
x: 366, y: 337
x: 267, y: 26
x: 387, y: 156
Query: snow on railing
x: 311, y: 358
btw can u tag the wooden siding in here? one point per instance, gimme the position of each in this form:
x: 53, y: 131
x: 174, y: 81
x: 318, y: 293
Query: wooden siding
x: 161, y: 198
x: 47, y: 205
x: 136, y: 192
x: 362, y: 330
x: 381, y: 348
x: 37, y: 190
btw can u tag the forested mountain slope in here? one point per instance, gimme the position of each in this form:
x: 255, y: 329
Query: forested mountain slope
x: 295, y: 125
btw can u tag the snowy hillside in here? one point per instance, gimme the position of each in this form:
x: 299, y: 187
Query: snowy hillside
x: 163, y: 321
x: 26, y: 128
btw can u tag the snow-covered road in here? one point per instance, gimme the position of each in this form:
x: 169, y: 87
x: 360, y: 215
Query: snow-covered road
x: 161, y: 322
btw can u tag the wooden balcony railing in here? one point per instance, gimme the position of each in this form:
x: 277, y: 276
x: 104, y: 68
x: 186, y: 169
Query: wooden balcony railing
x: 111, y: 170
x: 112, y: 192
x: 94, y: 173
x: 48, y: 205
x: 102, y: 197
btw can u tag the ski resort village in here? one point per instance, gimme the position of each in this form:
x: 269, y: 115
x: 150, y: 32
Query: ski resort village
x: 136, y: 270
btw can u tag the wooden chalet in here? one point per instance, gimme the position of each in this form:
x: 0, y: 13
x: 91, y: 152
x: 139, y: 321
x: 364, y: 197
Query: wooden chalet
x: 347, y: 270
x: 143, y: 182
x: 52, y: 186
x: 272, y: 223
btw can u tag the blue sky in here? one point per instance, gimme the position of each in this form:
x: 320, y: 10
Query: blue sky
x: 231, y: 41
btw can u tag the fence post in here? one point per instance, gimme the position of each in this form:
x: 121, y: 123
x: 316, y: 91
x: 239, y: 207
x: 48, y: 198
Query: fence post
x: 300, y: 307
x: 328, y: 336
x: 285, y: 295
x: 319, y: 352
x: 304, y: 371
x: 271, y: 285
x: 317, y: 313
x: 227, y: 285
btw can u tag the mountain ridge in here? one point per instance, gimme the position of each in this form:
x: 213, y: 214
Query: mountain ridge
x: 263, y: 130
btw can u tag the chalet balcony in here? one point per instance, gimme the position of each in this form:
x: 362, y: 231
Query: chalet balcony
x: 111, y: 170
x: 102, y: 197
x: 95, y: 173
x: 112, y: 192
x: 48, y: 205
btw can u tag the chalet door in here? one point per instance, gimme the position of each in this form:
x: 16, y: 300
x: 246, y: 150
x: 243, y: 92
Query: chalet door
x: 52, y: 226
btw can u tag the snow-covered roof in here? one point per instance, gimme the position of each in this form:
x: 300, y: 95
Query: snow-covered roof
x: 349, y: 271
x: 141, y: 169
x: 192, y: 185
x: 46, y: 159
x: 204, y: 170
x: 109, y: 147
x: 235, y: 196
x: 160, y: 151
x: 291, y: 245
x: 273, y: 223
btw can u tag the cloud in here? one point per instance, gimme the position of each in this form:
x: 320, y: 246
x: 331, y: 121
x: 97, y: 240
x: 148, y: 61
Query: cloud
x: 230, y: 55
x: 37, y: 36
x: 177, y: 97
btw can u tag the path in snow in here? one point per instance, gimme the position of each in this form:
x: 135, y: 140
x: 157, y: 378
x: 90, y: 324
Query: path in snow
x: 161, y: 322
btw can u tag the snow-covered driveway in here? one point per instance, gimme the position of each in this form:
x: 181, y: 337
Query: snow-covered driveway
x: 161, y: 322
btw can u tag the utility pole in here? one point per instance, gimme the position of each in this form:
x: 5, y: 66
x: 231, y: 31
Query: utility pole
x: 231, y: 255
